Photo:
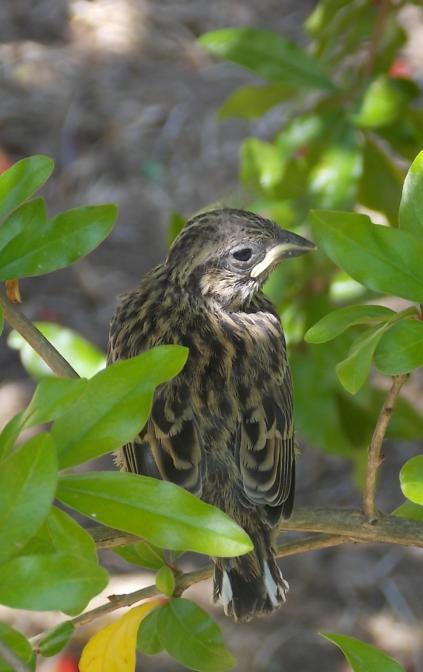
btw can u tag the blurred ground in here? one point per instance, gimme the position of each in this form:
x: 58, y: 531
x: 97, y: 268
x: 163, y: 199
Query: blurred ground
x: 120, y: 95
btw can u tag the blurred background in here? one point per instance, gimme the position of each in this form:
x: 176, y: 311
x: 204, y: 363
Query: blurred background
x: 124, y: 99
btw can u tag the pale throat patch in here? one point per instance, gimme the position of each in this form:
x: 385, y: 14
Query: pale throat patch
x: 271, y: 256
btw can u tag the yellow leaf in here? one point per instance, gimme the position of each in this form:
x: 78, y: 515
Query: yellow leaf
x: 113, y: 648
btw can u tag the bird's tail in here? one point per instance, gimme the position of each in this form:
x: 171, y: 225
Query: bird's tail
x: 251, y: 585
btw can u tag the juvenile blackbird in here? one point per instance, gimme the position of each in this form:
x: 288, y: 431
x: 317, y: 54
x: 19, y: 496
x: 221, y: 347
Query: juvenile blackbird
x: 223, y: 428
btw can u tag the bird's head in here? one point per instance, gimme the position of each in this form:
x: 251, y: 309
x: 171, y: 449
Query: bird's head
x: 226, y: 255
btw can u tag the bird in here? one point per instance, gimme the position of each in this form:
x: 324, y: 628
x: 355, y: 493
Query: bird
x: 223, y: 428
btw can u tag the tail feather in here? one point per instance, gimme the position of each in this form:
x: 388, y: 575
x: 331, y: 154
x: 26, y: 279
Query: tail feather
x: 251, y: 585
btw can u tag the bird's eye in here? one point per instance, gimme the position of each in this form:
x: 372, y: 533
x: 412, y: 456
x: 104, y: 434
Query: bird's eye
x: 244, y: 254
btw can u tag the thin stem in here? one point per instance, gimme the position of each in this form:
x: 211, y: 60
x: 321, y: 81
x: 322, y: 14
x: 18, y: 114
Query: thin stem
x: 375, y: 449
x: 35, y: 338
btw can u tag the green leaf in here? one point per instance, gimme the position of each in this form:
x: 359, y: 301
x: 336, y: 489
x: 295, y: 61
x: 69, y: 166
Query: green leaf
x: 410, y: 511
x: 161, y: 512
x: 401, y: 348
x: 363, y: 657
x: 21, y: 180
x: 354, y: 370
x: 52, y: 398
x: 142, y: 554
x: 65, y: 239
x: 85, y: 358
x: 384, y: 102
x: 383, y: 259
x: 115, y: 405
x: 381, y: 182
x: 56, y: 639
x: 1, y: 320
x: 333, y: 181
x: 262, y: 165
x: 148, y: 640
x: 20, y: 646
x: 335, y: 323
x: 10, y: 433
x: 49, y: 582
x: 28, y: 479
x: 411, y: 206
x: 176, y: 224
x: 27, y: 217
x: 269, y: 54
x: 411, y: 479
x: 191, y: 637
x: 165, y: 581
x: 251, y: 101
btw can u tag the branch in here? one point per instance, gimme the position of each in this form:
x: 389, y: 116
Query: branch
x: 375, y: 449
x: 35, y: 338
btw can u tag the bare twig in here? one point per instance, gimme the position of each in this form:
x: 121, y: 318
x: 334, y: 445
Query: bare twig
x: 375, y: 449
x: 35, y: 338
x: 9, y: 657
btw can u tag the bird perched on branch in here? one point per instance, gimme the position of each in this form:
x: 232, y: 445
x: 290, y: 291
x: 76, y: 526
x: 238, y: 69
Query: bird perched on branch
x: 223, y: 428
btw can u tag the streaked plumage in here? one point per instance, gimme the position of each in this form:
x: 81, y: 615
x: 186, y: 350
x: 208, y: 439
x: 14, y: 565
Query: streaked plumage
x: 223, y: 428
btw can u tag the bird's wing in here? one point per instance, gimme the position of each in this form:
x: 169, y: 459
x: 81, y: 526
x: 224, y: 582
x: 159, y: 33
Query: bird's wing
x: 266, y: 448
x: 169, y: 447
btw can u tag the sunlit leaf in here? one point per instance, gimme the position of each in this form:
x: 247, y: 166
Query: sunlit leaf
x: 411, y: 207
x: 65, y: 239
x: 384, y: 101
x: 52, y: 398
x: 84, y: 357
x: 269, y: 54
x: 262, y: 165
x: 335, y: 323
x: 28, y: 479
x: 165, y: 580
x: 19, y: 645
x: 161, y: 512
x: 175, y: 226
x: 56, y: 639
x: 381, y: 182
x: 253, y: 101
x: 363, y: 657
x: 115, y: 405
x: 31, y: 216
x: 10, y: 433
x: 383, y: 259
x: 113, y: 648
x: 401, y: 348
x: 354, y: 370
x: 410, y: 511
x: 21, y: 180
x: 411, y: 479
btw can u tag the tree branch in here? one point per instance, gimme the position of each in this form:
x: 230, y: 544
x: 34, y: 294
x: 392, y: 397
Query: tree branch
x: 375, y: 449
x: 35, y: 338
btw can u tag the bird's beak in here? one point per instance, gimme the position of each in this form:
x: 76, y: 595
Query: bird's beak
x: 288, y: 245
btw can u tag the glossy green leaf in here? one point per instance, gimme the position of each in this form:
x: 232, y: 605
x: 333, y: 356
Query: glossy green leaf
x: 85, y: 358
x: 251, y: 101
x: 50, y: 582
x: 411, y: 479
x: 56, y: 639
x: 383, y: 259
x: 363, y: 657
x: 354, y: 370
x: 21, y: 180
x: 411, y: 207
x: 335, y: 323
x: 142, y: 554
x: 333, y: 180
x: 115, y: 405
x: 148, y: 640
x: 410, y: 511
x: 384, y: 101
x: 381, y: 182
x: 10, y: 433
x: 190, y: 636
x: 176, y: 224
x: 161, y: 512
x: 262, y: 165
x: 19, y: 645
x: 28, y: 479
x: 52, y: 398
x: 31, y: 216
x: 401, y: 348
x: 269, y: 54
x: 67, y: 237
x: 165, y: 580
